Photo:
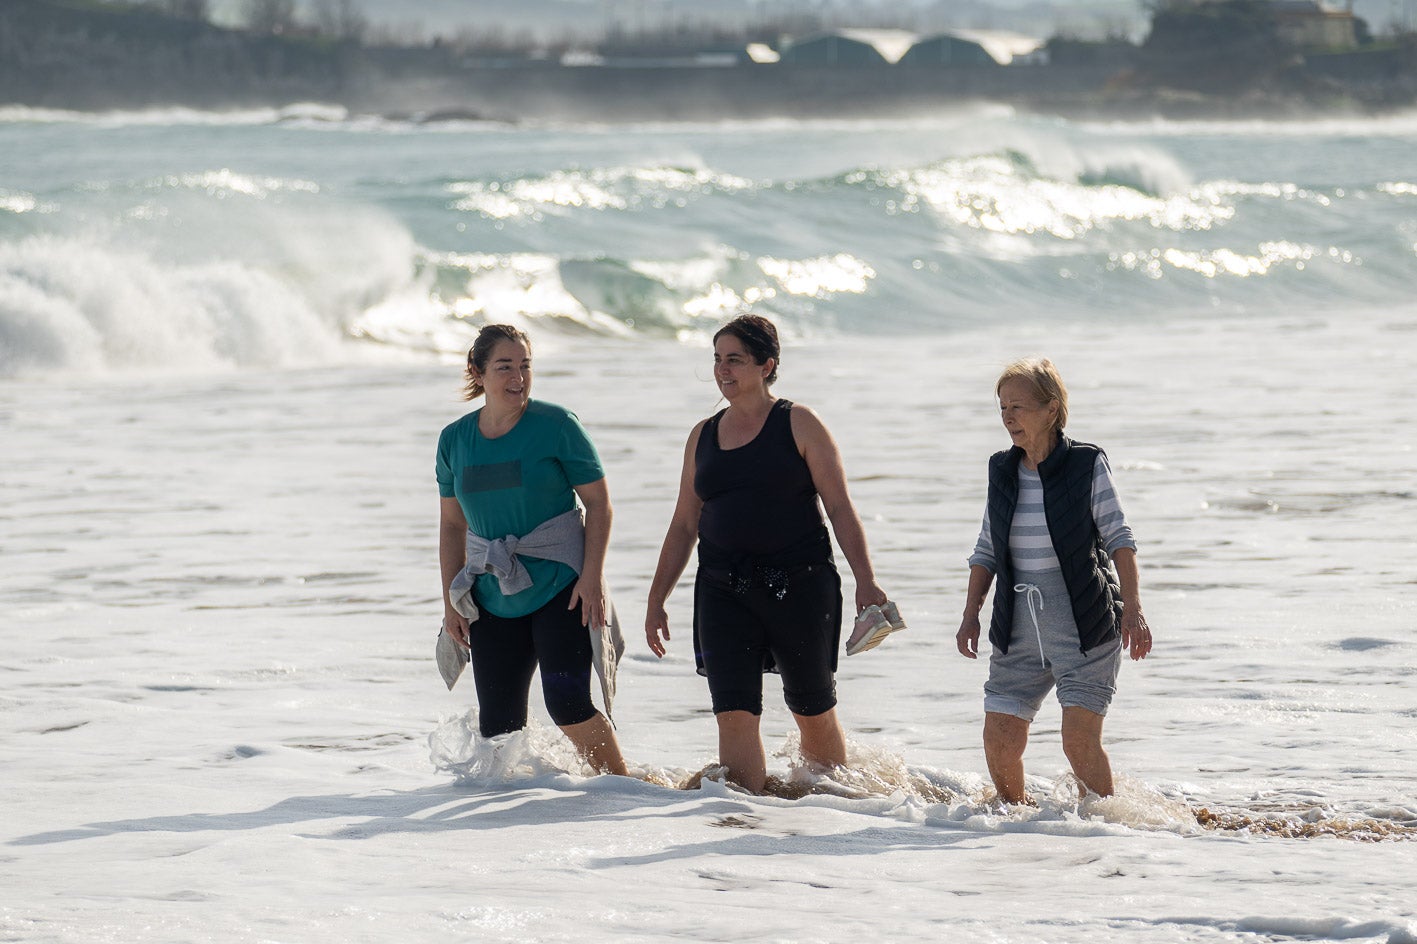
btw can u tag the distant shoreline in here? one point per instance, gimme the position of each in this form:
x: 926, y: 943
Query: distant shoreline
x: 617, y: 94
x: 77, y: 55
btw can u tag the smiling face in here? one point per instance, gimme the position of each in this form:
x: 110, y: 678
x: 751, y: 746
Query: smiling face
x: 735, y: 370
x: 506, y: 380
x: 1032, y: 423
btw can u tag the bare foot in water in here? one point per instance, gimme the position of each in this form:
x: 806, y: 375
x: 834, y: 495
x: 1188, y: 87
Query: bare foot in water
x: 695, y: 781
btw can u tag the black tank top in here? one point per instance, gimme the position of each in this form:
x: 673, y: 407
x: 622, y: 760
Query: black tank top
x: 759, y: 500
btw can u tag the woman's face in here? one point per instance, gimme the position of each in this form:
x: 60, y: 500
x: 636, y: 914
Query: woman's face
x: 507, y: 379
x: 1029, y: 421
x: 734, y: 368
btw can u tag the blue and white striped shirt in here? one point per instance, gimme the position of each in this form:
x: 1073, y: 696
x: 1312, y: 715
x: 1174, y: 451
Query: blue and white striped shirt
x: 1030, y: 545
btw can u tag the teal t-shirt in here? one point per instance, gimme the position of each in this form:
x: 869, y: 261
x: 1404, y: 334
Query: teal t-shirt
x: 513, y: 483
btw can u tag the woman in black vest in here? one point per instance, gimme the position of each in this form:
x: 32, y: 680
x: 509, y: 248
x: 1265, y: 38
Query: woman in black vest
x: 767, y: 596
x: 1068, y: 602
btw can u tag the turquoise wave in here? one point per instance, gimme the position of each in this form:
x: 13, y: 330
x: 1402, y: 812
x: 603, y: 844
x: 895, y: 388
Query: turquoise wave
x: 255, y: 244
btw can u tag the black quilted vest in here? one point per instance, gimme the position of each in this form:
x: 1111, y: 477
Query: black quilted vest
x: 1067, y: 506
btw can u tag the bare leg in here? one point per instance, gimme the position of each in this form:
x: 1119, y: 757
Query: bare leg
x: 1005, y: 737
x: 1082, y: 743
x: 595, y: 741
x: 823, y: 741
x: 740, y: 749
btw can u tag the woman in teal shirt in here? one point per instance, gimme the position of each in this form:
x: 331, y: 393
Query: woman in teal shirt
x: 504, y: 471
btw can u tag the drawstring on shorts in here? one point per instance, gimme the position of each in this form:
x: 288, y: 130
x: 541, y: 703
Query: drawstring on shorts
x: 1034, y: 596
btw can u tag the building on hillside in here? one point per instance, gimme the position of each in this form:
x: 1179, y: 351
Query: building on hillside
x: 850, y: 47
x: 974, y: 48
x: 1310, y: 24
x: 948, y: 50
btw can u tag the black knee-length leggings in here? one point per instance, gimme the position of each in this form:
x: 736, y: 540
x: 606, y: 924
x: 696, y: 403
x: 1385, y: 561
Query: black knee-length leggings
x: 505, y: 653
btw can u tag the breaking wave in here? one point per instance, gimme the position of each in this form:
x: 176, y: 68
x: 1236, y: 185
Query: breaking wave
x: 364, y: 255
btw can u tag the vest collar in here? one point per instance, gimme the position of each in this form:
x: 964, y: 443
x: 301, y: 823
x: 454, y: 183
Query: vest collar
x: 1048, y: 466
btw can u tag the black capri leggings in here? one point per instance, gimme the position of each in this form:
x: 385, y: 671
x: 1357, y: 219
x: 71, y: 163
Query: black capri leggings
x: 505, y: 653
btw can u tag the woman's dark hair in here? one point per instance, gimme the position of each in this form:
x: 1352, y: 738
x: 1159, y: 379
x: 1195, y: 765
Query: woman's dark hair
x: 487, y: 339
x: 759, y: 336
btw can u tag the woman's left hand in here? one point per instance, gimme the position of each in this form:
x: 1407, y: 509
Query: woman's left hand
x: 1136, y: 635
x: 869, y: 593
x: 589, y: 595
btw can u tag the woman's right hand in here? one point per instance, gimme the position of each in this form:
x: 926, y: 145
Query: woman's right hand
x: 967, y: 639
x: 869, y: 593
x: 455, y: 625
x: 656, y: 626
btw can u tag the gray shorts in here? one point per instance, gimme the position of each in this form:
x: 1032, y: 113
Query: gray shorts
x: 1038, y: 659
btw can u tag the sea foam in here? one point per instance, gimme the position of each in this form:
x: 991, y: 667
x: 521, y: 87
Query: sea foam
x: 160, y: 117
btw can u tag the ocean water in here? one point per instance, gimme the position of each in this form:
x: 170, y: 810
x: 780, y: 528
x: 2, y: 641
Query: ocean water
x: 228, y: 342
x: 269, y: 238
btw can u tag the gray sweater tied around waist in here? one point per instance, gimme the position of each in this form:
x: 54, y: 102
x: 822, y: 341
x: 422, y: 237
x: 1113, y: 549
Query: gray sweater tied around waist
x: 560, y: 539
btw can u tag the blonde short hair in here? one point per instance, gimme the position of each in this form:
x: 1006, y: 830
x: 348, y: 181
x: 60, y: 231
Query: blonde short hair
x: 1040, y: 374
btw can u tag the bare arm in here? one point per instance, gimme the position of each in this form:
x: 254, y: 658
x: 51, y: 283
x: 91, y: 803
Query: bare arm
x: 1136, y: 634
x: 967, y: 639
x: 829, y: 476
x: 674, y: 554
x: 589, y: 592
x: 452, y: 555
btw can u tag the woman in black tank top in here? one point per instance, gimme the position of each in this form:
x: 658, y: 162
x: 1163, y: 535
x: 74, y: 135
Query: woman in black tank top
x: 759, y: 500
x: 757, y: 477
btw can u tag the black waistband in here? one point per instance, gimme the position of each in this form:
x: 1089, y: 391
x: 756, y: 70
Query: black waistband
x: 744, y: 571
